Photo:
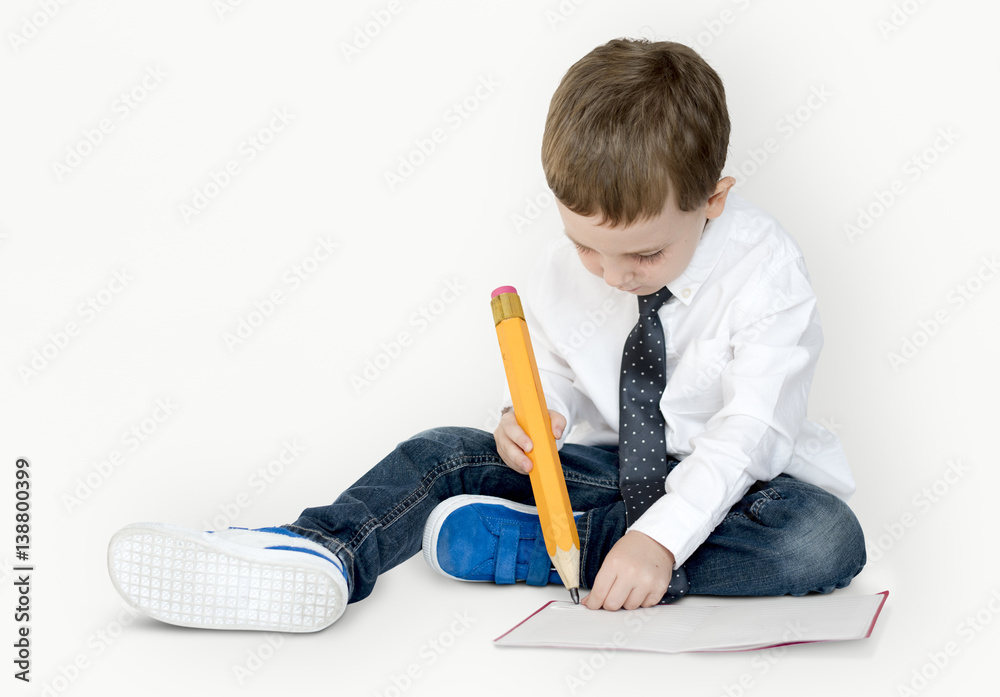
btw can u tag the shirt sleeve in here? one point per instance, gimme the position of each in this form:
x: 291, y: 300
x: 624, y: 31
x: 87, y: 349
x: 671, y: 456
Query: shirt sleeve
x: 765, y: 388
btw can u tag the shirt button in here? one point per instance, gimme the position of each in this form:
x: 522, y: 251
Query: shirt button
x: 686, y: 293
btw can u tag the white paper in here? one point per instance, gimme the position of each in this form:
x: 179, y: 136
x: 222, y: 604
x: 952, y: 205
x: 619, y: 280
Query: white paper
x: 682, y: 627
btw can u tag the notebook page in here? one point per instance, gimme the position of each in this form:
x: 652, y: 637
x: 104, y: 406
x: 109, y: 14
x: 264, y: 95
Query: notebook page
x: 755, y: 623
x: 561, y: 623
x: 786, y: 620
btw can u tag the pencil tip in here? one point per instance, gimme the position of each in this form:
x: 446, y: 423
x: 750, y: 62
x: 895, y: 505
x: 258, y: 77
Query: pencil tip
x: 575, y: 594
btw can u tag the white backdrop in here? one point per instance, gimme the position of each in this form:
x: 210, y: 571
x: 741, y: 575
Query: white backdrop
x: 219, y: 307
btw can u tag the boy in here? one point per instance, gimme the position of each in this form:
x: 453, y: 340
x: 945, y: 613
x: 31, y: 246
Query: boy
x: 712, y: 483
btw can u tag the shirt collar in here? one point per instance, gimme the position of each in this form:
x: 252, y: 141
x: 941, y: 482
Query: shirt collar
x: 706, y: 255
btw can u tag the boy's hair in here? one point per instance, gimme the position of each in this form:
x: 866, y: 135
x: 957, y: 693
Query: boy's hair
x: 630, y: 120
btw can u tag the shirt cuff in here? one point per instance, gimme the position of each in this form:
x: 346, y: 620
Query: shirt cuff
x: 675, y: 524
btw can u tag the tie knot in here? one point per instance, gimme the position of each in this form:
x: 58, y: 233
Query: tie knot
x: 649, y: 304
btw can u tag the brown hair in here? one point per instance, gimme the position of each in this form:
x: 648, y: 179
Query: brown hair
x: 630, y: 120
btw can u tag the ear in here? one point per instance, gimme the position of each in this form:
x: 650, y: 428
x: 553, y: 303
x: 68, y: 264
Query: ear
x: 717, y: 201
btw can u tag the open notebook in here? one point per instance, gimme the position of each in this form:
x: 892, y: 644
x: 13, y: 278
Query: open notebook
x: 756, y: 624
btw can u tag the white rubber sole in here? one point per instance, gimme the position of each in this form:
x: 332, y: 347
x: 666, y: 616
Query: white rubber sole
x: 195, y: 579
x: 437, y: 517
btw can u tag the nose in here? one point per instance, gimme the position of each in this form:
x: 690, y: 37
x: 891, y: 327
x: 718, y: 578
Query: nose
x: 618, y: 275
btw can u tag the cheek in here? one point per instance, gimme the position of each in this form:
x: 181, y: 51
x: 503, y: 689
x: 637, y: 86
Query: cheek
x: 592, y: 264
x: 674, y: 264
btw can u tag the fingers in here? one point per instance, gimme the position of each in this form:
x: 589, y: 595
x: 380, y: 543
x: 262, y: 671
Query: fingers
x: 597, y: 595
x: 635, y: 573
x: 558, y: 423
x: 619, y: 595
x: 512, y: 443
x: 613, y: 593
x: 653, y: 599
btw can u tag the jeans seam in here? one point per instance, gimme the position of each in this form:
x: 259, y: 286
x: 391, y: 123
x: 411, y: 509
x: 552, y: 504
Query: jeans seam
x: 331, y: 543
x: 419, y: 493
x: 361, y: 535
x: 589, y: 481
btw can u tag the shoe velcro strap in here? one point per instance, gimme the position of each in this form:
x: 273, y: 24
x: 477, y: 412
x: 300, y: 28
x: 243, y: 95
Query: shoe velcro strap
x: 506, y: 559
x: 540, y: 565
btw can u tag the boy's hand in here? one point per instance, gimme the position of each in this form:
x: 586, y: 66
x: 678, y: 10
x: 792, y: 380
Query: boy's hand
x: 513, y: 442
x: 636, y: 573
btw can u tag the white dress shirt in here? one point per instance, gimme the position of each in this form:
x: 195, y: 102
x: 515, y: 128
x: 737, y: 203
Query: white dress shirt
x: 742, y: 339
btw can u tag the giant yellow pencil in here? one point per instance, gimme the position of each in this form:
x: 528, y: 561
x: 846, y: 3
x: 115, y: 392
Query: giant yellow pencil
x: 562, y: 541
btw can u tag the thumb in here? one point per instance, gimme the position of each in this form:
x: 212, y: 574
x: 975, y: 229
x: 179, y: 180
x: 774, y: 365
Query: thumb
x: 558, y: 423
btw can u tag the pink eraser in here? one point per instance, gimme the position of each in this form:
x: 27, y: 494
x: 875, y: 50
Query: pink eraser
x: 503, y: 289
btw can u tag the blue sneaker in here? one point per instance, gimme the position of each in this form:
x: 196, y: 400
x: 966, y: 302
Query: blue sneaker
x: 269, y: 579
x: 484, y: 538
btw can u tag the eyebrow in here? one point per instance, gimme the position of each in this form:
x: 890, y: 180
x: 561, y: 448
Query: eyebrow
x: 638, y: 253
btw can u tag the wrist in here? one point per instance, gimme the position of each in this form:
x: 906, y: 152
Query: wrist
x: 666, y: 554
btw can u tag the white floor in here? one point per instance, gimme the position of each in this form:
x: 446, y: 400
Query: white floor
x: 244, y: 253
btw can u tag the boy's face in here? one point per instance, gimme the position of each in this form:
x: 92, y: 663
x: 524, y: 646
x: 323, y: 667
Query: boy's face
x: 644, y: 257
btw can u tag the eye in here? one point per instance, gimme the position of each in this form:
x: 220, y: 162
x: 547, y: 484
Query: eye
x: 641, y: 258
x: 649, y: 258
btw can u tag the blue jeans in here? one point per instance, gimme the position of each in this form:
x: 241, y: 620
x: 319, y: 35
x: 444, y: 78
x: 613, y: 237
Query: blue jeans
x: 783, y: 537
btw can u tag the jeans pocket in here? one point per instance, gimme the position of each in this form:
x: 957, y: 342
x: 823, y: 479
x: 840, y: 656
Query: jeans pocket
x: 760, y: 503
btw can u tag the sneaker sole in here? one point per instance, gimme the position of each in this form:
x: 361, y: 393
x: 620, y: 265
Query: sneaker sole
x: 437, y: 517
x: 186, y: 578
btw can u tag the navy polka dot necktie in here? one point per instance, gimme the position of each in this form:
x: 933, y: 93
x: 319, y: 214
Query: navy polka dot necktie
x: 642, y: 452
